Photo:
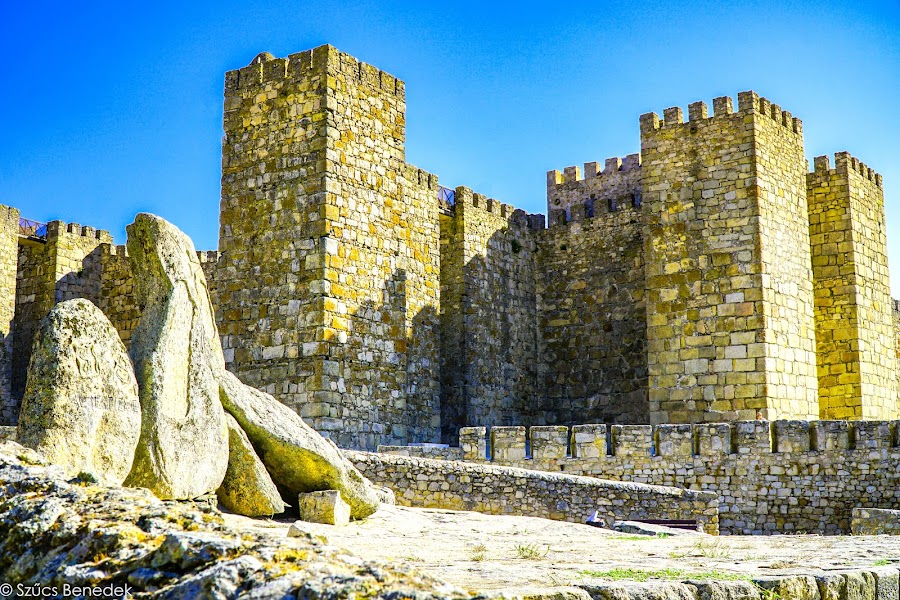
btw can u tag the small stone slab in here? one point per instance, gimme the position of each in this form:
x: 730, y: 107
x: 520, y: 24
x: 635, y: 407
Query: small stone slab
x: 325, y: 506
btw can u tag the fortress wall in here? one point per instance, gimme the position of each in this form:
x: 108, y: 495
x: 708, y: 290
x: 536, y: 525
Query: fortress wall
x: 329, y: 251
x: 272, y: 217
x: 68, y: 265
x: 500, y: 490
x: 592, y: 319
x: 494, y: 357
x: 854, y: 312
x: 117, y: 291
x: 9, y: 229
x: 384, y: 271
x: 453, y: 409
x: 729, y: 294
x: 770, y: 477
x: 34, y: 299
x: 614, y: 186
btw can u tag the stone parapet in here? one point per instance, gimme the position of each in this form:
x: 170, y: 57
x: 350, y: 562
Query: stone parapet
x: 494, y: 489
x: 770, y: 477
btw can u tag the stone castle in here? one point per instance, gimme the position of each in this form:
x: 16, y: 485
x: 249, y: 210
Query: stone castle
x: 712, y: 277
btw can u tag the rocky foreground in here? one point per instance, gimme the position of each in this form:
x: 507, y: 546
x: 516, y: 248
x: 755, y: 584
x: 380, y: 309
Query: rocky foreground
x: 57, y: 531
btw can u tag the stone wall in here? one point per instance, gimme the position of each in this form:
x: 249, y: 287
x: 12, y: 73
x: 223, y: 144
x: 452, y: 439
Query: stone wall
x: 9, y: 230
x: 490, y: 489
x: 854, y: 314
x: 592, y: 319
x: 770, y: 477
x: 117, y: 291
x: 489, y: 322
x: 616, y: 186
x: 34, y: 299
x: 728, y: 278
x: 68, y: 264
x: 875, y: 521
x: 341, y: 239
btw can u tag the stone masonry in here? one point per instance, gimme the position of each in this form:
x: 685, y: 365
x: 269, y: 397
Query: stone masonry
x: 850, y: 278
x: 711, y: 277
x: 769, y: 477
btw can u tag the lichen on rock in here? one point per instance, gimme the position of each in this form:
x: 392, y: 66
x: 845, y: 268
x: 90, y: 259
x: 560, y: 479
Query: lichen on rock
x: 80, y: 407
x: 247, y: 489
x: 296, y: 456
x: 183, y: 450
x: 56, y: 531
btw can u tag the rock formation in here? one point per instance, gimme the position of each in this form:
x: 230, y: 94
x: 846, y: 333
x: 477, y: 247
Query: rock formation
x: 298, y: 458
x: 184, y: 386
x: 55, y: 532
x: 81, y: 407
x: 183, y: 451
x: 247, y: 489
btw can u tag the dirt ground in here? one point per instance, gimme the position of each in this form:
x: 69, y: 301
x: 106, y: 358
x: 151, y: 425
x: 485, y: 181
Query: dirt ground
x: 484, y: 552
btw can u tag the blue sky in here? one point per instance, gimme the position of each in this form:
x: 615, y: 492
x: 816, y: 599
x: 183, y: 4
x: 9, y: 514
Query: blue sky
x: 111, y: 109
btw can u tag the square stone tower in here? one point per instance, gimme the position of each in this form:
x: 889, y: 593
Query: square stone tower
x: 854, y: 322
x: 328, y: 275
x: 730, y: 329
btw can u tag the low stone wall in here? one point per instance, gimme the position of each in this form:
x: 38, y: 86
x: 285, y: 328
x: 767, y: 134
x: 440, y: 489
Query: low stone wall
x: 770, y: 477
x: 489, y: 489
x: 875, y: 521
x: 881, y: 583
x: 438, y: 451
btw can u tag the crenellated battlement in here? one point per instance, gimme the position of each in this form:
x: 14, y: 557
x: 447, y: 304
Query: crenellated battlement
x: 480, y: 203
x: 631, y: 162
x: 208, y: 256
x: 592, y: 212
x: 420, y: 177
x: 749, y: 102
x: 598, y: 441
x: 266, y: 69
x: 57, y: 228
x: 844, y: 163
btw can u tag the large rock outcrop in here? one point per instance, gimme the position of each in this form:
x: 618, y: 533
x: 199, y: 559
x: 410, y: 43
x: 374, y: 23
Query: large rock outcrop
x: 80, y: 407
x: 247, y: 489
x: 55, y: 532
x: 298, y: 458
x: 183, y: 450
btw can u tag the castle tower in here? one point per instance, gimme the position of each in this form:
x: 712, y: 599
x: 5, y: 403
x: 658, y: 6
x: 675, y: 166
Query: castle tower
x: 854, y: 320
x: 730, y: 325
x: 328, y: 270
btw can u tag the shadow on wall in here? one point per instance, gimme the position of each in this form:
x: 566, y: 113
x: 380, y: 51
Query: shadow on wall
x: 490, y: 371
x: 544, y: 326
x: 103, y: 276
x: 383, y: 378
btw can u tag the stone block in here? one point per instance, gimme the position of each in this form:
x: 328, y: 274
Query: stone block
x: 675, y: 440
x: 887, y: 583
x: 549, y: 442
x: 792, y: 436
x: 508, y: 444
x: 325, y: 506
x: 473, y: 441
x: 752, y: 437
x: 873, y: 435
x: 632, y: 440
x: 589, y: 441
x: 713, y: 439
x: 832, y: 435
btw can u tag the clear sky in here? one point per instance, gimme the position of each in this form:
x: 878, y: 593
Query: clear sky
x: 111, y: 109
